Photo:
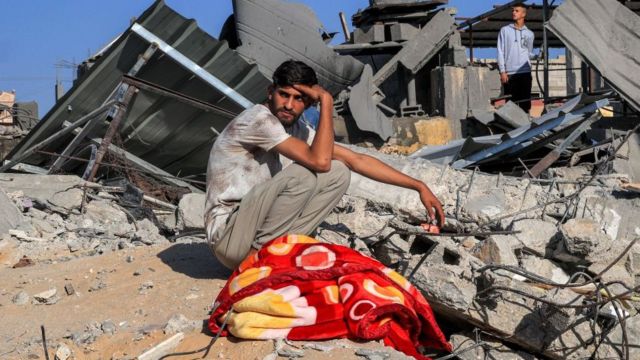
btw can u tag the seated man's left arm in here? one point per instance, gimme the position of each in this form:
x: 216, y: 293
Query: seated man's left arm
x: 375, y: 169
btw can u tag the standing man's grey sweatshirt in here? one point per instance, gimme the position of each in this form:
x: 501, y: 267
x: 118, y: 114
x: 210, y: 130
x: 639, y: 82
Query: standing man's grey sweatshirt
x: 515, y: 49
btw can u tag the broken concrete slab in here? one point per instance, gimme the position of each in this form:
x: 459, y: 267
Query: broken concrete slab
x: 512, y: 115
x: 403, y: 32
x: 372, y: 34
x: 363, y: 107
x: 615, y: 215
x: 583, y: 239
x: 416, y: 52
x: 148, y: 233
x: 179, y: 323
x: 10, y: 215
x: 63, y: 352
x: 545, y: 268
x: 535, y: 235
x: 586, y: 26
x: 39, y: 187
x: 191, y: 211
x: 495, y: 251
x: 69, y: 200
x: 48, y: 297
x: 445, y: 183
x: 457, y: 93
x: 273, y: 31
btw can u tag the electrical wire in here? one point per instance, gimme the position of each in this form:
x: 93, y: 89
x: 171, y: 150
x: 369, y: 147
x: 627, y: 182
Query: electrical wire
x: 601, y: 167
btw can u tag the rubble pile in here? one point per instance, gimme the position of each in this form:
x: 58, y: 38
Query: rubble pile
x: 47, y: 214
x: 539, y: 256
x: 505, y: 293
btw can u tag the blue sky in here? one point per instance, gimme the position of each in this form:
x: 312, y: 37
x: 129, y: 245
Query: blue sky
x: 38, y: 34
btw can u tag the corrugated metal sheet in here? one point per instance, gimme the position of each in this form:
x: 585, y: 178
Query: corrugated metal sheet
x: 606, y: 35
x: 169, y: 134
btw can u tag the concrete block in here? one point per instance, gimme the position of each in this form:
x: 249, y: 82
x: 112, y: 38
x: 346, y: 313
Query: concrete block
x: 38, y: 187
x: 456, y: 91
x: 456, y: 56
x: 403, y: 32
x: 535, y: 235
x: 584, y: 239
x: 372, y: 34
x: 10, y: 216
x: 494, y: 251
x: 191, y: 211
x: 545, y: 268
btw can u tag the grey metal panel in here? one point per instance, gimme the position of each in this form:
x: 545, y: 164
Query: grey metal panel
x: 446, y: 154
x: 363, y: 107
x: 521, y: 141
x: 395, y: 10
x: 169, y: 134
x: 606, y: 35
x: 273, y: 31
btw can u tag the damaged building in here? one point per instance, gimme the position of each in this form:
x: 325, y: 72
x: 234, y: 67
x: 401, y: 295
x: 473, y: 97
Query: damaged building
x: 538, y: 257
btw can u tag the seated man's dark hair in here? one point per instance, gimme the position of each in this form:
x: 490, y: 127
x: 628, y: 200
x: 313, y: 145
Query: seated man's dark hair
x: 293, y: 72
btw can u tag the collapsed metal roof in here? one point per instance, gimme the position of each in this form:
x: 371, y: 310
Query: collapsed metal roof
x: 606, y: 35
x: 170, y: 134
x: 394, y: 10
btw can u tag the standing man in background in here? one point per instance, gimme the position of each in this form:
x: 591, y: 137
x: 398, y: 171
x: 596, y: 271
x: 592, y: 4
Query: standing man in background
x: 515, y: 49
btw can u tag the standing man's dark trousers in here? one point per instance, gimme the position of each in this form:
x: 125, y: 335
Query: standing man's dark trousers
x: 519, y: 87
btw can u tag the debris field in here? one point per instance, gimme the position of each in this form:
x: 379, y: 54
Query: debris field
x: 102, y: 246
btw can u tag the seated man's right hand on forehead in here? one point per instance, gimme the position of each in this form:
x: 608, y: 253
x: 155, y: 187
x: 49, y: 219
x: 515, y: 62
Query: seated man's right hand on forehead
x: 316, y: 93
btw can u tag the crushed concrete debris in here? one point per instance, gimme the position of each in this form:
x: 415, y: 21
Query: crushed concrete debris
x: 21, y: 298
x: 500, y: 296
x: 48, y: 297
x: 108, y: 327
x: 179, y: 323
x: 63, y: 352
x: 69, y: 289
x: 191, y: 211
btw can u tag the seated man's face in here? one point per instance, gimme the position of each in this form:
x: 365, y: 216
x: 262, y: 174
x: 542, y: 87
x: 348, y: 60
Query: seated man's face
x: 287, y: 104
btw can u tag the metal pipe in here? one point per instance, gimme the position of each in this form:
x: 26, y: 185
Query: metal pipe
x: 175, y: 95
x: 111, y: 131
x: 471, y: 43
x: 545, y: 50
x: 197, y: 70
x: 345, y: 27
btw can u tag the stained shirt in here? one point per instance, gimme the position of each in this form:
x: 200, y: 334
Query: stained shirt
x: 242, y: 157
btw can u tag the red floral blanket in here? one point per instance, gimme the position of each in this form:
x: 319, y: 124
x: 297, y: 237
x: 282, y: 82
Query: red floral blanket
x: 300, y: 289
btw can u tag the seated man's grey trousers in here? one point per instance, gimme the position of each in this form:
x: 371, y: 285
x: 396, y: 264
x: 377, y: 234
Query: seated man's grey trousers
x: 295, y: 201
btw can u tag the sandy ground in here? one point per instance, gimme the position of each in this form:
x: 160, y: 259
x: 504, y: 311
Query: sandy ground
x: 185, y: 280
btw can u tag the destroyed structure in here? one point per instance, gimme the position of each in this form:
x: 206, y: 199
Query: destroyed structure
x: 538, y: 258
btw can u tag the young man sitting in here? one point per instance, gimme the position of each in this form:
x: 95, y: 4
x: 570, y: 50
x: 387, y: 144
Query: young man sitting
x: 270, y: 174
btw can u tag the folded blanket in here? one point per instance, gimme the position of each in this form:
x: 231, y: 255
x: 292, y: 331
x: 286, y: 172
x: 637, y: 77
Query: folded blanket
x: 300, y: 289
